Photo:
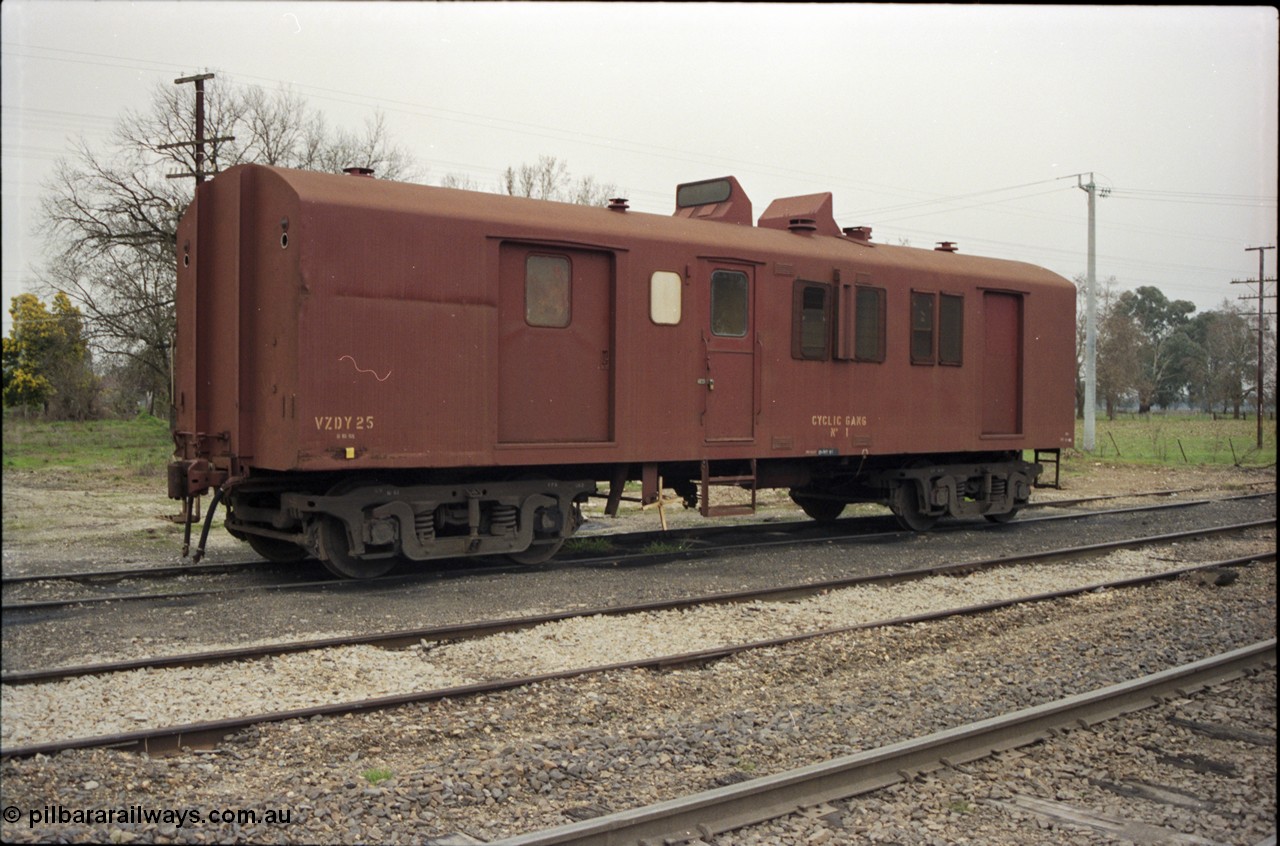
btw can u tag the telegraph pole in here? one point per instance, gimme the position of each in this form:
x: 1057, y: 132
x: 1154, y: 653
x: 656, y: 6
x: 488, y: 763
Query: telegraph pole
x: 1090, y: 319
x: 199, y: 141
x: 1260, y: 393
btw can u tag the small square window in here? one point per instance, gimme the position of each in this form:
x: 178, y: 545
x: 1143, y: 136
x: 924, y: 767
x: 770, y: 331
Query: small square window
x: 664, y: 298
x: 811, y: 307
x: 546, y: 291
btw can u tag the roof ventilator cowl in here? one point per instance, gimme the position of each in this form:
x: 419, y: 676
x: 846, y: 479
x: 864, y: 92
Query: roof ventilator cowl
x: 366, y: 172
x: 806, y: 215
x: 947, y: 247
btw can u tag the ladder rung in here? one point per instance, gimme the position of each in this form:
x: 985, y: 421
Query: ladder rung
x: 728, y: 510
x: 748, y: 482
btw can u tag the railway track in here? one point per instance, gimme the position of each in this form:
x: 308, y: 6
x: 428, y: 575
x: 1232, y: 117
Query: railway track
x: 635, y: 548
x: 637, y: 539
x: 210, y: 731
x: 481, y: 766
x: 700, y: 817
x: 796, y: 590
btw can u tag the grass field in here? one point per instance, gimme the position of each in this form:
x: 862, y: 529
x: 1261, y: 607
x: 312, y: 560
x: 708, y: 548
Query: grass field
x: 1181, y: 439
x: 103, y: 450
x: 120, y: 450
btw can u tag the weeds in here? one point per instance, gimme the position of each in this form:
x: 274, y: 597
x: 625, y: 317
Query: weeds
x: 664, y: 547
x: 589, y: 546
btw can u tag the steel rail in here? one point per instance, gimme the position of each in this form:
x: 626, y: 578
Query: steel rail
x: 168, y: 571
x: 461, y: 631
x: 173, y: 738
x: 716, y: 811
x: 207, y: 568
x: 1060, y: 503
x: 49, y: 604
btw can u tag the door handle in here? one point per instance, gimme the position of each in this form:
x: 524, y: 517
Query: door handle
x: 710, y: 383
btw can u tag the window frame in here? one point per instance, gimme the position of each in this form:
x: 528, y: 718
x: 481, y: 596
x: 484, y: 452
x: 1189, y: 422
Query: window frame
x: 745, y: 312
x: 918, y: 330
x: 538, y: 303
x: 950, y: 331
x: 666, y: 298
x: 859, y: 352
x: 801, y: 315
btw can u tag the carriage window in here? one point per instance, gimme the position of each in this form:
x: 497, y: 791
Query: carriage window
x: 546, y: 291
x: 950, y: 329
x: 729, y: 304
x: 810, y: 316
x: 664, y: 298
x: 922, y: 328
x: 869, y: 321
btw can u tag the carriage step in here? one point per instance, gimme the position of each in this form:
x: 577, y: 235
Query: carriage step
x: 740, y: 481
x: 1049, y: 457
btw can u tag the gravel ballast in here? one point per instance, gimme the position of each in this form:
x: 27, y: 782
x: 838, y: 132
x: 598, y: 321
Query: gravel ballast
x: 504, y: 763
x: 480, y: 768
x: 148, y: 698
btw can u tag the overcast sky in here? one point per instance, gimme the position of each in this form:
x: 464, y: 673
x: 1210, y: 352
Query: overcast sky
x: 928, y: 123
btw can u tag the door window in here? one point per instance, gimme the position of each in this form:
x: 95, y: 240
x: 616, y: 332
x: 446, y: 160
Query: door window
x: 729, y: 304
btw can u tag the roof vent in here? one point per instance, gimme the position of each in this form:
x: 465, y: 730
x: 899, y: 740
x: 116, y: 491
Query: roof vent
x: 946, y: 247
x: 812, y: 212
x: 858, y: 233
x: 618, y: 204
x: 359, y: 171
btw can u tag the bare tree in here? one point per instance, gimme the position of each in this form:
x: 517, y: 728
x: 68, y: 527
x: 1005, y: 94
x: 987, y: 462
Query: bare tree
x: 460, y: 181
x: 549, y: 179
x: 109, y: 215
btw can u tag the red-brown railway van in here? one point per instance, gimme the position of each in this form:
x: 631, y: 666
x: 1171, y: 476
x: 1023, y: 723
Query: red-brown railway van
x: 368, y: 371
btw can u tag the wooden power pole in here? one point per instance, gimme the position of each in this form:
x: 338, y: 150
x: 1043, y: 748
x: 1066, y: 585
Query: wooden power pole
x: 1260, y: 392
x: 199, y: 141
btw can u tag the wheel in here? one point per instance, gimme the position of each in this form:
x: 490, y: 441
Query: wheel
x: 819, y: 508
x: 274, y: 549
x: 336, y: 554
x: 537, y: 553
x: 907, y: 509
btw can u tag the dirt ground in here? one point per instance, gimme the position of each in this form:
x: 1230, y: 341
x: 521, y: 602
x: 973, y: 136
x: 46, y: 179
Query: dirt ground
x: 50, y: 516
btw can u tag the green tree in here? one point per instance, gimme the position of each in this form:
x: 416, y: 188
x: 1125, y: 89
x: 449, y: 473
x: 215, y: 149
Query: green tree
x: 1225, y: 359
x: 1119, y: 370
x: 1164, y: 350
x: 46, y: 359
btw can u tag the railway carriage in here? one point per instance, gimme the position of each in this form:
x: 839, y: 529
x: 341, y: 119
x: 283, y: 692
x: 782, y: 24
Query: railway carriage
x: 369, y: 371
